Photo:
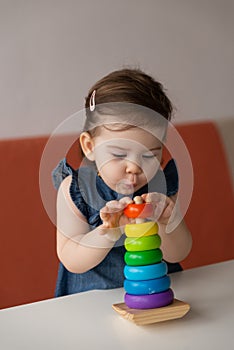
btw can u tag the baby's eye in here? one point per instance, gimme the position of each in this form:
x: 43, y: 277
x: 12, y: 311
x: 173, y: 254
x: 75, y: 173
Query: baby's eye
x: 149, y: 156
x: 118, y: 155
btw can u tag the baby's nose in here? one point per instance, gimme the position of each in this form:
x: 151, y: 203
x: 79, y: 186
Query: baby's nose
x: 133, y: 167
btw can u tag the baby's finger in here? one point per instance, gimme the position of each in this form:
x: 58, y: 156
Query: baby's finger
x: 104, y: 214
x: 115, y: 206
x: 168, y: 210
x: 104, y: 210
x: 153, y: 197
x: 125, y: 201
x: 159, y: 207
x: 164, y: 209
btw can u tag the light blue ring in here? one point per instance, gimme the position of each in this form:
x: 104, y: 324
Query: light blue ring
x: 156, y: 285
x: 147, y: 272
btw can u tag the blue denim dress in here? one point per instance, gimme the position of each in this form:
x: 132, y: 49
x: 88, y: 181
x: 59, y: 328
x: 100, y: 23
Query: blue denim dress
x: 89, y: 193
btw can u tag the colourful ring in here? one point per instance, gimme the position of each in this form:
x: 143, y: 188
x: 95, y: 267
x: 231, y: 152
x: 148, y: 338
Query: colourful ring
x: 141, y: 258
x: 141, y: 210
x: 149, y: 301
x: 147, y: 272
x: 157, y: 285
x: 142, y: 243
x: 148, y: 228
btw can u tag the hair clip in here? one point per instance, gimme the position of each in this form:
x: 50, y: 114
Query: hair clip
x: 92, y: 101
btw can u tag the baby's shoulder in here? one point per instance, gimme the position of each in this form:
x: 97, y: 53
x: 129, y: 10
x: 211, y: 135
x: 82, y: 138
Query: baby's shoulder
x: 64, y: 169
x: 60, y: 172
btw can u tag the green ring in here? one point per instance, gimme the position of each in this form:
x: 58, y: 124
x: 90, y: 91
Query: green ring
x: 142, y: 258
x: 142, y: 243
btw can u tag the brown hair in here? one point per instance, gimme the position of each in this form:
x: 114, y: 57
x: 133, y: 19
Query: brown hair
x: 126, y: 87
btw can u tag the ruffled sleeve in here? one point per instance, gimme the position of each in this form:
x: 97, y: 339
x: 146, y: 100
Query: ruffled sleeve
x: 62, y: 170
x: 172, y: 179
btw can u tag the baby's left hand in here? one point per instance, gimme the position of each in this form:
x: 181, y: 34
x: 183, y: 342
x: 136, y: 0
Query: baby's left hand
x: 162, y: 206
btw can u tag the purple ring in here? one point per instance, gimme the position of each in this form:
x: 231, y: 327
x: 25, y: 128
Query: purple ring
x: 149, y: 301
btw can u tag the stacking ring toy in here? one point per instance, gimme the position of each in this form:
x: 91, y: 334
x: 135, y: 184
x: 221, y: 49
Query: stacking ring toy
x: 148, y: 272
x: 156, y: 285
x: 146, y: 257
x: 149, y: 301
x: 142, y: 210
x: 144, y: 229
x: 142, y: 243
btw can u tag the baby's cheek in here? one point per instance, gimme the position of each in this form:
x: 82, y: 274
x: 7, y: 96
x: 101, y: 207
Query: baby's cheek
x: 150, y: 170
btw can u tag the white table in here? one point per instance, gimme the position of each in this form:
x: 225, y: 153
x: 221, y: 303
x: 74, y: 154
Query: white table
x: 87, y: 320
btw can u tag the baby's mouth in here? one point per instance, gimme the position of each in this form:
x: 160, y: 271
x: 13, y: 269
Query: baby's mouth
x: 126, y: 186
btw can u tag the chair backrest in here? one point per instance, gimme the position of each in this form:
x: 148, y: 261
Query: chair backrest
x: 210, y: 214
x: 28, y: 259
x: 27, y: 240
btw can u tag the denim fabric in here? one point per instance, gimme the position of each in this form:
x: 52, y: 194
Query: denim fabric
x: 89, y: 193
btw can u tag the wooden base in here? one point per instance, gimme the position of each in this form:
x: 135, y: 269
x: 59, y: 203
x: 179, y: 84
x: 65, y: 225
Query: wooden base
x: 147, y: 316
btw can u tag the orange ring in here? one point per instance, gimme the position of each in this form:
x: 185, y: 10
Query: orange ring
x: 141, y: 210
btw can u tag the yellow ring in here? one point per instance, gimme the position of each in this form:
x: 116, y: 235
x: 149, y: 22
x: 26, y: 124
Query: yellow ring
x: 148, y: 228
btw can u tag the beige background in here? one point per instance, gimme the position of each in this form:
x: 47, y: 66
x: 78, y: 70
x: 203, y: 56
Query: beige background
x: 52, y: 51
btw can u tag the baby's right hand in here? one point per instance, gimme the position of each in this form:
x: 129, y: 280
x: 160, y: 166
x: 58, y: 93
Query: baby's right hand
x: 112, y: 214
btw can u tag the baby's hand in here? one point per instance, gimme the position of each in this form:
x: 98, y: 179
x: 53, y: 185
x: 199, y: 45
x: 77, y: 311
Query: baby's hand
x: 112, y: 214
x: 162, y: 206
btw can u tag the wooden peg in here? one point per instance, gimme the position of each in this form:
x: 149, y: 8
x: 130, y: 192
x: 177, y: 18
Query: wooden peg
x: 138, y: 200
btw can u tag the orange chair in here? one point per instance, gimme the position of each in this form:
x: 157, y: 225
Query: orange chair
x: 210, y: 214
x: 28, y: 265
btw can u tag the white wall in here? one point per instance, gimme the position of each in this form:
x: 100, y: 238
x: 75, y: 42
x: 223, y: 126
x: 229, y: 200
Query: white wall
x: 52, y: 51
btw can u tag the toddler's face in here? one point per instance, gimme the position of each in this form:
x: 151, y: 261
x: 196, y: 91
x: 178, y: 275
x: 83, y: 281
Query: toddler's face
x: 128, y: 159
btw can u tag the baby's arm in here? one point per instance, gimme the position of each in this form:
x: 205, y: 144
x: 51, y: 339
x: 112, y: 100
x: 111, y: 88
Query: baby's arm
x: 79, y: 248
x: 176, y: 238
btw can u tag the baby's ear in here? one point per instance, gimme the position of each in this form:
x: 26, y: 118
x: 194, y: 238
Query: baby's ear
x: 87, y: 145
